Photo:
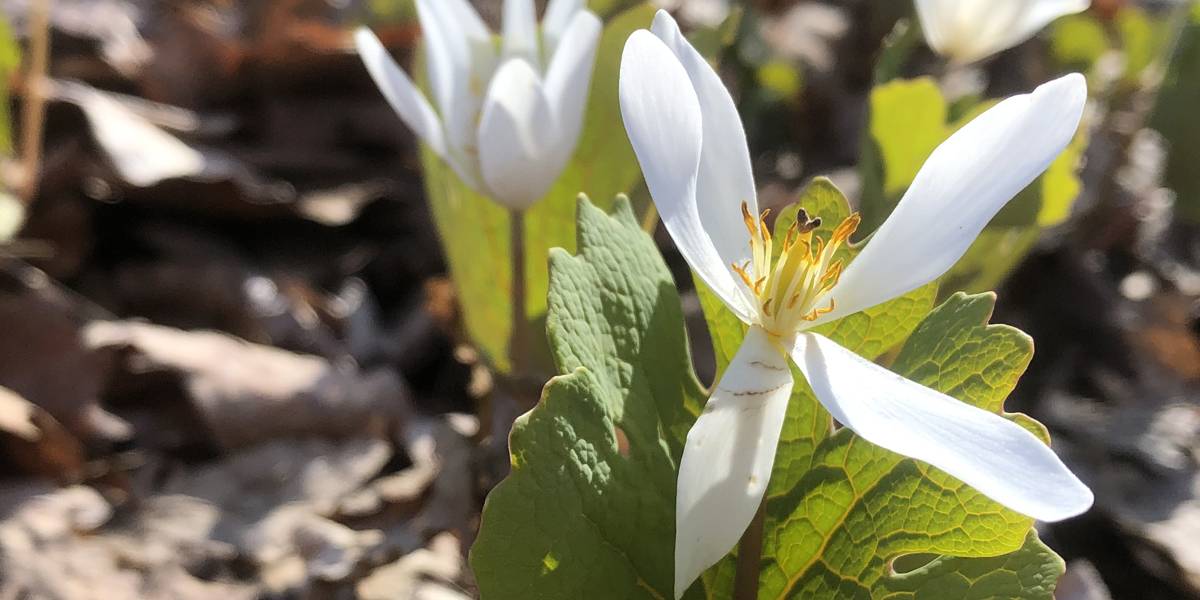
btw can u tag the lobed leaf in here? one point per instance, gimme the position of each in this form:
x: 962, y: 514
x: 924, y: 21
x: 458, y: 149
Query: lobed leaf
x: 836, y: 530
x: 589, y: 508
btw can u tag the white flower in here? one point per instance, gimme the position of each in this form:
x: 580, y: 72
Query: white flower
x: 969, y: 30
x: 685, y: 130
x: 706, y: 13
x: 510, y: 116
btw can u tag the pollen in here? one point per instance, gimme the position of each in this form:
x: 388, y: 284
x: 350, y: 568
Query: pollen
x: 792, y: 285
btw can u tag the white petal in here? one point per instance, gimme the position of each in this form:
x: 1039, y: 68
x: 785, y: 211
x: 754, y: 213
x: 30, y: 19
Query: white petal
x: 935, y: 23
x: 568, y: 79
x: 468, y: 19
x: 995, y: 456
x: 725, y: 178
x: 520, y: 32
x: 728, y: 457
x: 969, y: 30
x: 405, y: 98
x: 707, y: 13
x: 1039, y: 14
x: 559, y: 14
x: 965, y: 182
x: 446, y: 53
x: 662, y: 117
x: 458, y: 61
x: 516, y: 137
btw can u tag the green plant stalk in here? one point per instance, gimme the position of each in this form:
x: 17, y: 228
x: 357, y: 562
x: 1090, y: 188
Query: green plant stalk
x: 650, y: 219
x: 519, y: 339
x: 749, y: 557
x: 34, y: 113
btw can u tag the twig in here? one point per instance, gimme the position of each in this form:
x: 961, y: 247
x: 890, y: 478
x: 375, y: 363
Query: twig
x: 33, y: 115
x: 749, y: 557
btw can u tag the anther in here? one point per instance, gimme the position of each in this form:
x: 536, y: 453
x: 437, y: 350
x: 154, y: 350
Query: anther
x: 749, y: 220
x: 805, y: 222
x: 846, y: 228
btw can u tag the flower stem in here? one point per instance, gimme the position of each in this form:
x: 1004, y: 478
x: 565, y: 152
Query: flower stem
x: 519, y: 341
x: 749, y: 557
x: 34, y: 112
x: 650, y: 219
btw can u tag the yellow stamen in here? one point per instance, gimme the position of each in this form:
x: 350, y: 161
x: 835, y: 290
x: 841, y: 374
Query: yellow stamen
x: 741, y: 271
x: 845, y: 229
x: 817, y: 312
x: 831, y: 275
x: 751, y: 226
x: 792, y: 288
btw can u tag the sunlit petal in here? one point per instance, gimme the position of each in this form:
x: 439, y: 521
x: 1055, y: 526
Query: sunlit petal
x: 965, y: 182
x: 728, y: 457
x: 468, y: 19
x: 969, y: 30
x: 725, y: 177
x: 446, y: 53
x: 559, y: 14
x: 449, y: 54
x: 663, y: 119
x: 516, y: 136
x: 1038, y: 15
x: 995, y: 456
x: 568, y: 79
x: 398, y: 89
x: 520, y: 32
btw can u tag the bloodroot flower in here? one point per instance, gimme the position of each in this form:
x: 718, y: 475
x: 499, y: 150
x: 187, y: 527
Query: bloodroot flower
x: 966, y: 31
x: 689, y: 140
x: 510, y: 113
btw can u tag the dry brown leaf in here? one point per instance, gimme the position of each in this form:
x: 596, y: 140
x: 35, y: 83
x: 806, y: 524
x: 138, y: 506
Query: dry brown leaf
x: 247, y: 393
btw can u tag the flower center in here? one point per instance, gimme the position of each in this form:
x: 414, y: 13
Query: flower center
x: 792, y: 287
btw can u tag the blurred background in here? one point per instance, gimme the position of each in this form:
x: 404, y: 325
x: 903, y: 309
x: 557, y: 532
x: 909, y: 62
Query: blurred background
x: 232, y: 364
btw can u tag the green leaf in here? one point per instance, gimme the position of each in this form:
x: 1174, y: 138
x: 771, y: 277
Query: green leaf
x: 991, y: 257
x: 608, y: 8
x: 1030, y: 572
x: 12, y: 211
x: 1175, y: 118
x: 898, y: 46
x: 1144, y: 37
x: 1078, y: 41
x: 589, y: 508
x: 858, y: 507
x: 10, y: 61
x: 908, y: 121
x: 475, y: 230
